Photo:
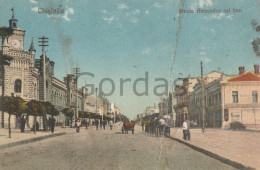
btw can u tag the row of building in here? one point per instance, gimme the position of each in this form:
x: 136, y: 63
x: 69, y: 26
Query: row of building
x: 24, y: 78
x: 227, y: 99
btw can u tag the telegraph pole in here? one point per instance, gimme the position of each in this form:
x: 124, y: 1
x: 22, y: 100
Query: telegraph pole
x: 203, y: 98
x: 114, y: 113
x: 43, y: 40
x: 96, y: 89
x: 77, y: 72
x: 43, y: 43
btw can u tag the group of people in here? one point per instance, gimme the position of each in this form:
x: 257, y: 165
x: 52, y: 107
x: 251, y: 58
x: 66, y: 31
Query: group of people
x: 156, y: 126
x: 185, y: 127
x: 96, y: 123
x: 103, y: 124
x: 51, y: 124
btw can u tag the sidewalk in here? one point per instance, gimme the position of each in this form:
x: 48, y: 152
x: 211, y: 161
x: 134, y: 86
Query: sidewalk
x: 231, y: 147
x: 18, y: 138
x: 240, y: 146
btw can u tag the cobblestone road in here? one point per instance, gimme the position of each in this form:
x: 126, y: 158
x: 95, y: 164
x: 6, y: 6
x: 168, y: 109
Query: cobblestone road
x: 105, y: 149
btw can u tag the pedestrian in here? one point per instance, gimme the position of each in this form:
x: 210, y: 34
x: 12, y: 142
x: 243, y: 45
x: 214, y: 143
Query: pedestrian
x: 23, y: 121
x: 52, y: 124
x: 188, y: 129
x: 49, y: 123
x: 104, y: 124
x: 78, y: 126
x: 185, y: 128
x: 96, y: 123
x: 101, y: 124
x: 142, y: 125
x: 86, y: 125
x: 110, y: 124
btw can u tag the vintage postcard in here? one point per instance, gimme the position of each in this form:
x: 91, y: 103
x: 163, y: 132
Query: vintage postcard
x: 129, y: 84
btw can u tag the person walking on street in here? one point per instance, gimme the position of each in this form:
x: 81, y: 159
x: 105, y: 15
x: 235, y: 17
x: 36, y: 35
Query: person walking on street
x: 96, y: 123
x: 104, y: 124
x: 110, y: 124
x: 23, y: 121
x: 52, y: 124
x: 184, y: 128
x: 188, y: 129
x: 86, y: 125
x: 142, y: 125
x: 78, y: 126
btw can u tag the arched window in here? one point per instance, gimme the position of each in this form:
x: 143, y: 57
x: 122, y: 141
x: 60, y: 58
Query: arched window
x: 17, y: 86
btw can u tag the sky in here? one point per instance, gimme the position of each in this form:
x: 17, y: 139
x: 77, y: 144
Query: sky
x: 122, y: 39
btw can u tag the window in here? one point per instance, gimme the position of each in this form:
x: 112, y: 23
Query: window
x: 235, y: 96
x: 34, y: 90
x: 219, y: 97
x: 17, y: 86
x: 254, y: 96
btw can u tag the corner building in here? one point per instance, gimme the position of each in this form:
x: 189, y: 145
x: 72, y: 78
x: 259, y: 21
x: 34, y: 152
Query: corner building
x: 24, y: 77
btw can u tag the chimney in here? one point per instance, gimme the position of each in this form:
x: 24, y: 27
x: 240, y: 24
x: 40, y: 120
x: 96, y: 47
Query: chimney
x: 256, y: 67
x: 241, y: 70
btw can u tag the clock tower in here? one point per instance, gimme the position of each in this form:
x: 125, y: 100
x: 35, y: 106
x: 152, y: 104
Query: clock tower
x: 15, y: 41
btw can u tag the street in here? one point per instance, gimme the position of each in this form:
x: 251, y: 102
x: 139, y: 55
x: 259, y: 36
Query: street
x: 106, y: 149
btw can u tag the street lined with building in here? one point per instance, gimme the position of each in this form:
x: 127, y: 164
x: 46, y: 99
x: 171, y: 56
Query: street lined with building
x: 106, y: 149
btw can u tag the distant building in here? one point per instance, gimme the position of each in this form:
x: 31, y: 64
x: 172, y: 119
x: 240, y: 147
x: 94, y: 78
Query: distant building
x: 182, y: 93
x: 149, y: 110
x: 212, y: 97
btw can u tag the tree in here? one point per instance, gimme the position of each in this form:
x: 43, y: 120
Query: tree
x: 13, y: 106
x: 35, y: 108
x: 81, y: 114
x: 54, y: 112
x: 50, y: 110
x: 4, y: 61
x: 68, y: 112
x: 5, y: 32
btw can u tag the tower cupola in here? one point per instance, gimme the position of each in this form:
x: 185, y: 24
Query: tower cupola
x: 13, y: 21
x: 32, y: 49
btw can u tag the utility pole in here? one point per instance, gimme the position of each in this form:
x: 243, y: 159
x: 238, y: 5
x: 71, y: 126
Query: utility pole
x: 77, y: 72
x: 43, y: 43
x: 96, y: 89
x: 114, y: 114
x: 202, y: 98
x: 43, y: 40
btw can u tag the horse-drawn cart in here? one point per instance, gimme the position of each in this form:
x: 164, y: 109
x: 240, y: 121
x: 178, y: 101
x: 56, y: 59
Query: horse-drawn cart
x: 128, y: 127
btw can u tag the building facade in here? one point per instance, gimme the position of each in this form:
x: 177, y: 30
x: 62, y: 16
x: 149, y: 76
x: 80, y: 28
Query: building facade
x: 212, y: 97
x: 241, y: 99
x: 228, y: 99
x: 24, y: 76
x: 182, y: 93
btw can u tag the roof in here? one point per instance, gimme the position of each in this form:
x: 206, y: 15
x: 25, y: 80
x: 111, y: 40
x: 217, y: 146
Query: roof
x: 32, y: 47
x: 247, y: 76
